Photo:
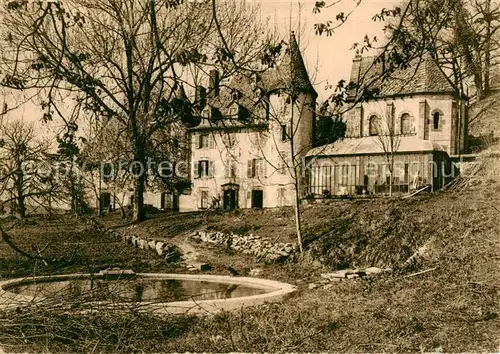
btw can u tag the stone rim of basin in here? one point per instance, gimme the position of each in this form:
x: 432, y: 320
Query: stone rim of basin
x: 278, y: 290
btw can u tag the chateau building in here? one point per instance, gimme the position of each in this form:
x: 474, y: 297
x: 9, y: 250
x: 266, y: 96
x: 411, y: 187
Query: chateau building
x: 251, y: 144
x: 411, y: 126
x: 252, y: 133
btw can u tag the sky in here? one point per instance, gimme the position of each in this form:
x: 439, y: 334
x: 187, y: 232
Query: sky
x: 328, y: 59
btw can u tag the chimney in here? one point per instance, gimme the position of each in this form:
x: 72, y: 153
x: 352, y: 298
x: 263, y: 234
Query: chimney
x: 356, y: 68
x: 213, y: 84
x: 201, y: 96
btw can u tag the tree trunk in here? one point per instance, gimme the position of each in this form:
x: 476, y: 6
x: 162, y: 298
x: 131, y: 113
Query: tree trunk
x: 99, y: 198
x: 139, y: 212
x: 21, y: 206
x: 298, y: 224
x: 487, y: 48
x: 391, y: 179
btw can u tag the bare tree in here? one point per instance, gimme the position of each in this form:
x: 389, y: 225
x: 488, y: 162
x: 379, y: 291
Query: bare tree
x: 461, y: 36
x: 274, y: 119
x: 125, y: 59
x: 388, y: 137
x: 68, y: 161
x: 23, y: 173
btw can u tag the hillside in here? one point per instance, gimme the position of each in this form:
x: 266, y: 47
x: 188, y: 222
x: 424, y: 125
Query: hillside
x: 484, y: 122
x: 360, y: 233
x: 446, y: 300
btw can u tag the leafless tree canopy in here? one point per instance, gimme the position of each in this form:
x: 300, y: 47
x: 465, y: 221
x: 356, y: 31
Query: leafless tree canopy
x: 22, y: 157
x: 125, y: 60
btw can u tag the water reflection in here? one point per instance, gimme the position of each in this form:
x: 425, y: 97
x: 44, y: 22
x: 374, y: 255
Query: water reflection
x: 137, y: 289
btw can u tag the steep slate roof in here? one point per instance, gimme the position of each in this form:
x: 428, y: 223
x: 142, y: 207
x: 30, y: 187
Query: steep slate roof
x: 290, y: 73
x: 423, y: 76
x: 370, y: 145
x: 251, y: 99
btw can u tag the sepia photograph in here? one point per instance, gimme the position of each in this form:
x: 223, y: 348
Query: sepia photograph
x: 243, y: 176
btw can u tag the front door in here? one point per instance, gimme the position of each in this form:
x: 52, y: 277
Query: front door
x: 105, y: 200
x: 230, y: 199
x: 175, y: 202
x: 257, y: 199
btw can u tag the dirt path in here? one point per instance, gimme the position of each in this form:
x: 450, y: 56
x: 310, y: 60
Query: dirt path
x: 190, y: 254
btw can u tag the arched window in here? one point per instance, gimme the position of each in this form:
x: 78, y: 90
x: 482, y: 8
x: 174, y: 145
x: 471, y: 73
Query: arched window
x: 435, y: 120
x: 374, y: 125
x: 406, y: 124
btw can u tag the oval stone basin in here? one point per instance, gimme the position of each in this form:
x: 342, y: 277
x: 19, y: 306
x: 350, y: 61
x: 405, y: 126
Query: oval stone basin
x: 160, y: 293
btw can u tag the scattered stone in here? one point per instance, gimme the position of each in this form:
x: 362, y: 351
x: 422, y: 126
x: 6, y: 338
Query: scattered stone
x: 249, y: 244
x: 352, y: 276
x: 359, y: 272
x: 337, y: 274
x: 328, y: 286
x: 255, y: 272
x: 373, y: 271
x: 143, y: 244
x: 159, y: 247
x: 135, y: 241
x: 313, y: 286
x: 152, y: 245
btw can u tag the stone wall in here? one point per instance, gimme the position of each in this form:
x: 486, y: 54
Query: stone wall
x: 168, y: 252
x: 262, y: 249
x: 257, y: 246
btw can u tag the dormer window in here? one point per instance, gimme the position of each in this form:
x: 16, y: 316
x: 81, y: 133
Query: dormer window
x: 258, y: 92
x: 206, y: 112
x: 233, y: 111
x: 236, y: 95
x: 215, y: 113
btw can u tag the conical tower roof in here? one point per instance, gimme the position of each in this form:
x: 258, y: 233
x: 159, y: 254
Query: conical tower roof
x: 291, y: 73
x: 299, y: 77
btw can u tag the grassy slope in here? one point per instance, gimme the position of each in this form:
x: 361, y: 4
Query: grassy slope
x: 362, y: 233
x: 69, y: 246
x: 484, y: 117
x: 454, y: 307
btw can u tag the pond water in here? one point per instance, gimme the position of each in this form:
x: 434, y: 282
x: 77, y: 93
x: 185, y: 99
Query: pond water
x: 136, y: 289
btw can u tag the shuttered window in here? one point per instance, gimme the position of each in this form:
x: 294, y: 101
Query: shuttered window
x: 204, y: 168
x: 256, y: 168
x: 206, y: 141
